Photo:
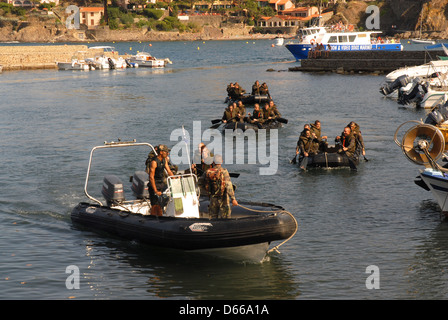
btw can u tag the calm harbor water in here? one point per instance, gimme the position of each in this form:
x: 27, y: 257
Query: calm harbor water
x: 347, y: 221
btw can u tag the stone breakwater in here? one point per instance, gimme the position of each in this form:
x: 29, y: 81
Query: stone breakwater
x: 39, y: 57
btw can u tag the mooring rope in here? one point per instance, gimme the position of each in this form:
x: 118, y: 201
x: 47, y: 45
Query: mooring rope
x: 277, y: 211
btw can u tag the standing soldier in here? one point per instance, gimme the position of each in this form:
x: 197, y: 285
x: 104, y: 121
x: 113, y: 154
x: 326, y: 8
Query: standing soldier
x: 157, y: 182
x: 220, y: 190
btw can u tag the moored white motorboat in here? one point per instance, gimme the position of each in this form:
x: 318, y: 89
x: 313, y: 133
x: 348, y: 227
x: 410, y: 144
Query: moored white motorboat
x: 145, y: 59
x: 423, y: 71
x: 185, y: 223
x: 279, y: 41
x: 77, y: 62
x: 435, y: 181
x: 106, y: 59
x: 424, y: 41
x: 73, y: 65
x: 433, y: 98
x: 424, y: 144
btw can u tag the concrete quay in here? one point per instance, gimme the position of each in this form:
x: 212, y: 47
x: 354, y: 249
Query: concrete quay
x: 377, y: 62
x: 39, y: 57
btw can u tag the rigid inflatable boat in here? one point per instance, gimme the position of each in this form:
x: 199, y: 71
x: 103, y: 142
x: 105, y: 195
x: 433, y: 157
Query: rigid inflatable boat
x: 185, y: 223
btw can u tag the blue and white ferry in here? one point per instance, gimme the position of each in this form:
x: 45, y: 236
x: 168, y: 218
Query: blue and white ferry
x: 337, y: 40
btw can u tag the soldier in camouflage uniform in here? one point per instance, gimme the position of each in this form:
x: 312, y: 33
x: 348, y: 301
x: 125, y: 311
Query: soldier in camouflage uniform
x: 220, y: 190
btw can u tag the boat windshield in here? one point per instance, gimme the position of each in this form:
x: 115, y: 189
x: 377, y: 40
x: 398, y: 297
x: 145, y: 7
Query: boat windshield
x: 307, y: 32
x: 180, y: 186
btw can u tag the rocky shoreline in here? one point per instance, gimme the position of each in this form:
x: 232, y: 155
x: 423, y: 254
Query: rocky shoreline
x: 39, y: 32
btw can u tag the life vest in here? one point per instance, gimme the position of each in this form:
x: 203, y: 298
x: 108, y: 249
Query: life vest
x: 216, y: 183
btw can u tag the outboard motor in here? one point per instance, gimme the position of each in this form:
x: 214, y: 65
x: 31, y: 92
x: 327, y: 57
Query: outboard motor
x: 139, y: 186
x: 400, y: 82
x: 438, y: 115
x: 414, y: 94
x: 111, y: 63
x: 112, y: 190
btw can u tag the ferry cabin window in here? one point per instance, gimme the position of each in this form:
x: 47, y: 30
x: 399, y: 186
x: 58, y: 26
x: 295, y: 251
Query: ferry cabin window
x: 342, y: 38
x: 333, y: 39
x: 352, y: 38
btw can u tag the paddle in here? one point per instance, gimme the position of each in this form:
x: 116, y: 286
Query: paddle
x: 215, y: 125
x: 218, y: 122
x: 282, y: 120
x: 351, y: 163
x: 294, y: 160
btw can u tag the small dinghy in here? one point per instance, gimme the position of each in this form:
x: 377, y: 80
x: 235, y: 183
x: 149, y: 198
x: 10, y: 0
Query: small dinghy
x: 185, y: 223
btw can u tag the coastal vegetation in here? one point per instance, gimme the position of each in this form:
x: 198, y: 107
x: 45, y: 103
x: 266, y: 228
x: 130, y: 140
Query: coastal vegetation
x: 46, y: 22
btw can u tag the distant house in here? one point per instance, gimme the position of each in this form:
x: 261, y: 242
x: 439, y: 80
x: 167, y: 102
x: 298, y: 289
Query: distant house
x: 216, y: 4
x: 131, y: 5
x: 21, y: 3
x: 280, y: 5
x: 91, y: 16
x: 29, y: 3
x: 302, y: 12
x: 277, y: 22
x: 56, y: 2
x: 287, y: 21
x: 276, y: 5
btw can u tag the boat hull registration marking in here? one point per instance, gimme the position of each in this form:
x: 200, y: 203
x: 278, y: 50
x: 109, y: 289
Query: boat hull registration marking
x: 200, y: 227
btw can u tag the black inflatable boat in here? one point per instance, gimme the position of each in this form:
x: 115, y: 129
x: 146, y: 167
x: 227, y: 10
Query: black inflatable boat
x: 250, y: 99
x: 269, y: 124
x: 330, y: 160
x: 185, y: 223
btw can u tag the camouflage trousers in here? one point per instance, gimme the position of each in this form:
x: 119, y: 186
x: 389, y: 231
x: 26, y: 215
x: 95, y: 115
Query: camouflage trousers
x: 219, y: 207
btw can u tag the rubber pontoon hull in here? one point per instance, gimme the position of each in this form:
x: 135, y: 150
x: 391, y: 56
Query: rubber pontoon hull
x: 329, y: 160
x: 251, y: 99
x: 271, y: 124
x: 244, y: 228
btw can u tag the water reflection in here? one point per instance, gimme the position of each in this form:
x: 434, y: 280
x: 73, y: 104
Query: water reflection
x: 174, y: 274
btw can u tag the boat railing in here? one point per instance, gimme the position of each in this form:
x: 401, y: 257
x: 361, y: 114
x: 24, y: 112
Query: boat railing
x: 108, y: 145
